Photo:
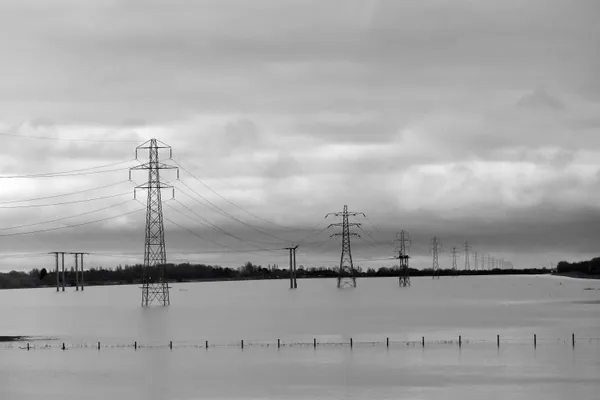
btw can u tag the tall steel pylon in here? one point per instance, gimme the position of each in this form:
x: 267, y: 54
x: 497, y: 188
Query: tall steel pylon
x: 454, y: 258
x: 154, y: 285
x: 476, y: 259
x: 402, y: 239
x: 467, y: 249
x: 346, y: 274
x: 435, y: 247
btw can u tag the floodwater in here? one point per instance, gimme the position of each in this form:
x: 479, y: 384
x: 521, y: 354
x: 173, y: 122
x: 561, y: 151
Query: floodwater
x: 260, y: 312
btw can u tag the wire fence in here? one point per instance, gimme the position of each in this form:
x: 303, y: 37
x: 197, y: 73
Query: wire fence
x: 534, y: 340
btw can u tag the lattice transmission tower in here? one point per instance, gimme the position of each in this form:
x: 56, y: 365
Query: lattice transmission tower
x: 467, y: 249
x: 476, y: 259
x: 154, y: 285
x: 435, y: 248
x: 347, y: 273
x: 402, y: 246
x: 454, y: 264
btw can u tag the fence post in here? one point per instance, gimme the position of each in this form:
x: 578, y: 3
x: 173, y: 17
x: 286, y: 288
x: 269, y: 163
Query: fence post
x: 63, y: 346
x: 573, y: 339
x: 135, y: 345
x: 315, y: 343
x: 423, y: 341
x: 27, y: 346
x: 242, y: 342
x: 206, y: 344
x: 459, y: 341
x: 387, y: 342
x: 534, y: 340
x: 278, y: 343
x: 98, y: 345
x: 171, y: 345
x: 498, y: 340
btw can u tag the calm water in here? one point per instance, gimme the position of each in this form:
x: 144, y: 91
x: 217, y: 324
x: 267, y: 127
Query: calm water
x: 478, y: 308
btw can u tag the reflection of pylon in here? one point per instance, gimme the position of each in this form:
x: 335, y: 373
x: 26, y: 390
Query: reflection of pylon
x: 435, y: 247
x: 347, y: 274
x: 154, y: 284
x: 454, y: 266
x: 402, y: 239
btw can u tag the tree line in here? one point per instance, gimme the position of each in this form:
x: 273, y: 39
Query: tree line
x: 132, y: 274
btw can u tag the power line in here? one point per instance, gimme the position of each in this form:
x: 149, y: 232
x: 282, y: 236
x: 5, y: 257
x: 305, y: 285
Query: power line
x: 65, y: 202
x: 229, y: 201
x: 74, y: 172
x: 208, y: 240
x: 218, y: 229
x: 61, y: 195
x: 69, y: 226
x: 62, y: 219
x: 226, y: 214
x: 65, y: 139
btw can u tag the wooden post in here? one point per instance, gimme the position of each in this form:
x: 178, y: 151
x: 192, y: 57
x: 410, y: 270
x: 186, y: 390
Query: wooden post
x: 573, y: 339
x: 459, y: 341
x: 387, y: 342
x: 534, y: 340
x: 206, y: 344
x: 135, y: 345
x: 81, y: 266
x: 350, y: 342
x: 76, y: 272
x: 171, y: 345
x: 423, y: 341
x: 57, y: 275
x: 315, y: 343
x: 98, y: 345
x: 278, y: 343
x: 63, y: 271
x: 63, y: 347
x: 242, y: 344
x: 27, y: 346
x: 498, y: 340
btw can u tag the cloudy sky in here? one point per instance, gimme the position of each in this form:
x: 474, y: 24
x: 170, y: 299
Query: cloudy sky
x: 468, y: 120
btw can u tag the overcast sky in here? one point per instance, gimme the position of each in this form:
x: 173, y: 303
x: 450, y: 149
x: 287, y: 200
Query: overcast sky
x: 468, y: 120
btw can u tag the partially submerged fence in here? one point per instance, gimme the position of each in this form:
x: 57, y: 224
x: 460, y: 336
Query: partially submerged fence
x: 460, y: 341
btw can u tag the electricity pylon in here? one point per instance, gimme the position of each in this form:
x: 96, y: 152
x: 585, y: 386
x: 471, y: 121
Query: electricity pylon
x: 154, y: 285
x: 490, y: 262
x: 402, y: 239
x: 293, y: 282
x: 467, y: 249
x: 435, y: 247
x: 347, y: 274
x: 454, y: 265
x: 476, y: 259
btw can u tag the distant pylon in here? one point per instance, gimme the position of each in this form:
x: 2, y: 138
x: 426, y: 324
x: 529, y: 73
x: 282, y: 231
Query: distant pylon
x: 490, y: 262
x: 154, y: 285
x: 346, y: 274
x: 454, y: 265
x: 435, y: 247
x: 467, y: 249
x: 476, y: 259
x: 402, y: 239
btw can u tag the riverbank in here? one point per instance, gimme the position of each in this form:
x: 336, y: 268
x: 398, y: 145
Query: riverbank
x: 576, y: 275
